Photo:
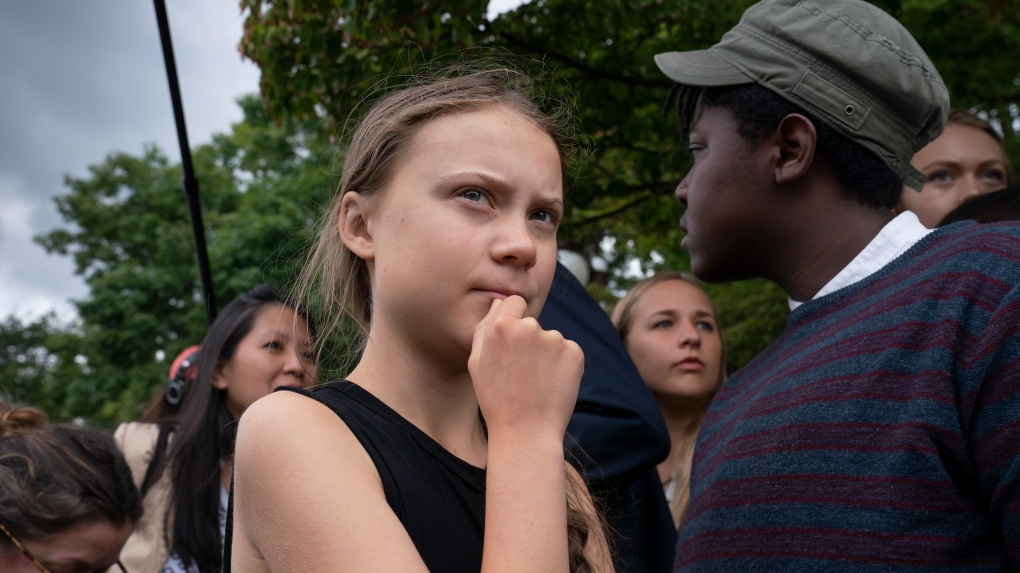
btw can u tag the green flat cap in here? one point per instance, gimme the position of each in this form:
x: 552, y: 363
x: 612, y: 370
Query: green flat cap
x: 846, y: 62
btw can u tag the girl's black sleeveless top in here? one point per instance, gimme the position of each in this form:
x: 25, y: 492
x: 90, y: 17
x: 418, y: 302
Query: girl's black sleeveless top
x: 438, y: 497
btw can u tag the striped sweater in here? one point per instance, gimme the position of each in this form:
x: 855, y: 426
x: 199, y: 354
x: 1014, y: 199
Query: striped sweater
x: 881, y: 432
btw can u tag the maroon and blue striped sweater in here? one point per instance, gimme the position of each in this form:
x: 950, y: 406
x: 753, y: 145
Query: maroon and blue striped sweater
x: 881, y: 432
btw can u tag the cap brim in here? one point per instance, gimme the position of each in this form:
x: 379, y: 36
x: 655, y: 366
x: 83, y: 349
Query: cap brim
x: 700, y: 68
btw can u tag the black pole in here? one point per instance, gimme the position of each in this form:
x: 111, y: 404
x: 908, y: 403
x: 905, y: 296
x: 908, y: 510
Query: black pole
x: 190, y: 183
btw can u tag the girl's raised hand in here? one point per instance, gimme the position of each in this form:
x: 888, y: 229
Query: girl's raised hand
x: 526, y: 378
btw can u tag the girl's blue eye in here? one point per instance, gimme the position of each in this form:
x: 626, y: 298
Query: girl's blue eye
x: 472, y: 195
x: 545, y: 216
x: 704, y: 325
x: 662, y: 324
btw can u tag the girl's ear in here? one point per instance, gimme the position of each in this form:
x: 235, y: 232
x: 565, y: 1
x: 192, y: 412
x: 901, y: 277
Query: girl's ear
x: 219, y: 381
x: 354, y: 225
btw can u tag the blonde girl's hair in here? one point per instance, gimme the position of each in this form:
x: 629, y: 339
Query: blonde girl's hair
x: 683, y: 451
x: 335, y: 281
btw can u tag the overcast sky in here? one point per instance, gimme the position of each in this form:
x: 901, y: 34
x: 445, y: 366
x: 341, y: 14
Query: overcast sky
x: 82, y: 80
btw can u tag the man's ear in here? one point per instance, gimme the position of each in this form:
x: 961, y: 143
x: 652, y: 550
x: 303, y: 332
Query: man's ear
x: 797, y: 140
x: 354, y: 231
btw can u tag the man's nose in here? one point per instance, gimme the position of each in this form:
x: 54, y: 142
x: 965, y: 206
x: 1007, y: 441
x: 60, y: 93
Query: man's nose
x: 681, y: 191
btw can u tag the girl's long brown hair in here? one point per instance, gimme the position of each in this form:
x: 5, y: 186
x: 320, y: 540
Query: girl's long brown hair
x: 335, y: 281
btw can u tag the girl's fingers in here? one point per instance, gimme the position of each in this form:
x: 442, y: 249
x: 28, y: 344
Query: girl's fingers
x: 487, y: 320
x: 513, y: 306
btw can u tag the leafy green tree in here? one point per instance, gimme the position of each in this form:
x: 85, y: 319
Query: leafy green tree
x: 128, y: 232
x: 265, y: 183
x: 318, y: 58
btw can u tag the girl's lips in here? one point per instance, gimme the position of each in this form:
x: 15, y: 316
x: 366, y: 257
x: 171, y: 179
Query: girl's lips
x: 501, y: 295
x: 690, y: 365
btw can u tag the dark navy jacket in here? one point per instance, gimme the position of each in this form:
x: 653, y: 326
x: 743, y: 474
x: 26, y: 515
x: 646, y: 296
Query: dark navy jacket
x: 616, y: 433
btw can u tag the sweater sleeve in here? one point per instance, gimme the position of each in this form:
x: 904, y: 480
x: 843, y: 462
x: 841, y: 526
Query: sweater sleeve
x: 991, y: 418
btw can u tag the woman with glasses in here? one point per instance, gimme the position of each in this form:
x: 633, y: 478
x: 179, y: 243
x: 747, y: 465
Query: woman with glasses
x: 67, y: 501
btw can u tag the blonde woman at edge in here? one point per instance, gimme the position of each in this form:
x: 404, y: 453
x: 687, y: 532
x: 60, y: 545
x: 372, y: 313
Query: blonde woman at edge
x: 443, y: 449
x: 670, y: 329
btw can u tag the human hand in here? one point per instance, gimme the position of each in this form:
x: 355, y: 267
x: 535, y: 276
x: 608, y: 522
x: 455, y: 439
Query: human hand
x: 526, y: 378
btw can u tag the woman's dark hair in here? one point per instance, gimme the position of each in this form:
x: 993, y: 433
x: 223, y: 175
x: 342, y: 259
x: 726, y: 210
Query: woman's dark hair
x: 1002, y: 205
x: 204, y: 431
x: 53, y: 477
x: 861, y: 174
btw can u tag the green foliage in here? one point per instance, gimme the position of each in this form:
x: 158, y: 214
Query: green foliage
x: 128, y: 230
x: 318, y: 58
x: 263, y: 184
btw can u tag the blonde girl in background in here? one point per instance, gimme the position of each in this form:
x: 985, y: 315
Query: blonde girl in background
x: 443, y: 449
x: 670, y: 329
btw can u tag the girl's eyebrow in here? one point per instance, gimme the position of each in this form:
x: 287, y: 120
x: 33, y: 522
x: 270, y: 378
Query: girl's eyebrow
x: 941, y: 163
x: 672, y: 313
x: 496, y: 184
x: 488, y: 180
x: 989, y: 162
x: 554, y: 203
x: 271, y: 331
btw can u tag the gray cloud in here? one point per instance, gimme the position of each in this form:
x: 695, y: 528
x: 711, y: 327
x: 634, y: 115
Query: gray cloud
x: 85, y: 79
x: 81, y: 80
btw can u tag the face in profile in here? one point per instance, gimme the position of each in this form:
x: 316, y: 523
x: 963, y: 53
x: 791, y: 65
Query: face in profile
x: 675, y: 343
x: 962, y: 163
x: 723, y: 200
x: 277, y: 351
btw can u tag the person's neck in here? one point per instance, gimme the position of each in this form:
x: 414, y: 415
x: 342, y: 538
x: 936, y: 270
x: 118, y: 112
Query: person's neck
x: 682, y: 419
x: 434, y: 394
x: 825, y: 238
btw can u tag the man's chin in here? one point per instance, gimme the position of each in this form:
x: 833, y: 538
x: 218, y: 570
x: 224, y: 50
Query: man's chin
x: 713, y: 272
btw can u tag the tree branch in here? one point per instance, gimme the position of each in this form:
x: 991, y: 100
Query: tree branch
x: 628, y: 205
x: 583, y: 68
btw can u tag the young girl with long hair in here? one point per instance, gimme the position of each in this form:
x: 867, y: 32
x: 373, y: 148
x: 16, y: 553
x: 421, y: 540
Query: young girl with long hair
x: 443, y: 449
x: 670, y: 329
x: 181, y: 452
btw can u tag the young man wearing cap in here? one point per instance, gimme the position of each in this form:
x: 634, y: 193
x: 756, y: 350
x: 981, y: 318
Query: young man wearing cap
x: 882, y: 430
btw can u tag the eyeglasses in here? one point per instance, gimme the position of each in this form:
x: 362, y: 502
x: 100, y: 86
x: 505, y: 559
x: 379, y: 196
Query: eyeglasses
x: 28, y: 554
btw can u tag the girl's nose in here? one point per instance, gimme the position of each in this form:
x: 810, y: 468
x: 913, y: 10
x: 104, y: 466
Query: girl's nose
x: 515, y: 245
x: 689, y: 335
